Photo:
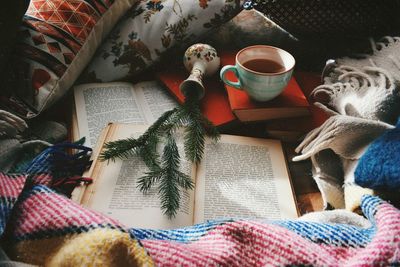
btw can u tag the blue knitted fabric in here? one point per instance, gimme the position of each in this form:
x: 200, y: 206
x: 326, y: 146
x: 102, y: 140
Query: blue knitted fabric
x: 379, y: 167
x: 47, y: 168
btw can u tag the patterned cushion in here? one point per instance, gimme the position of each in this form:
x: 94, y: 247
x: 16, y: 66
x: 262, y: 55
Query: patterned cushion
x: 249, y: 27
x: 153, y: 27
x: 56, y: 41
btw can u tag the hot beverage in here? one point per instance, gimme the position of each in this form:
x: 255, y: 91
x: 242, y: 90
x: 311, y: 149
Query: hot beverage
x: 262, y: 71
x: 263, y: 65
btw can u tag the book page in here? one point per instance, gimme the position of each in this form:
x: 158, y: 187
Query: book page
x: 242, y: 177
x: 155, y: 99
x: 115, y: 193
x: 98, y: 104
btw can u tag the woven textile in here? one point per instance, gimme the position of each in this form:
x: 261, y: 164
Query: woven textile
x: 379, y: 167
x: 53, y: 167
x: 329, y: 18
x: 361, y: 93
x: 47, y: 228
x: 38, y: 225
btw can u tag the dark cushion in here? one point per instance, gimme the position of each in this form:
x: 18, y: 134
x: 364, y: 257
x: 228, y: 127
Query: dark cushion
x: 11, y: 13
x: 328, y: 18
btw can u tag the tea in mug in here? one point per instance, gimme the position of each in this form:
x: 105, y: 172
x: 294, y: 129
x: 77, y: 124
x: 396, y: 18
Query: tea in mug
x: 263, y: 65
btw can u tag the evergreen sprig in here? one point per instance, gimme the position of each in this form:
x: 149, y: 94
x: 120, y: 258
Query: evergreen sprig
x: 165, y: 172
x: 172, y: 178
x: 125, y: 148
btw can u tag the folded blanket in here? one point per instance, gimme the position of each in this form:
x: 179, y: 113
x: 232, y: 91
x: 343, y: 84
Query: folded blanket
x: 47, y: 228
x: 362, y: 96
x: 53, y: 167
x: 334, y: 149
x: 379, y: 167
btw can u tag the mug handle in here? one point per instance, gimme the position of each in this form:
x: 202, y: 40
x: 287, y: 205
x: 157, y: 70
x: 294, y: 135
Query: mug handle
x: 232, y: 68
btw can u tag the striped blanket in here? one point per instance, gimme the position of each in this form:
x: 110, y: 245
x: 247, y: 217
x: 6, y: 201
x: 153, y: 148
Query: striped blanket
x: 38, y: 225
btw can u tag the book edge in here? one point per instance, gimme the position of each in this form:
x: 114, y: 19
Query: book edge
x: 254, y: 115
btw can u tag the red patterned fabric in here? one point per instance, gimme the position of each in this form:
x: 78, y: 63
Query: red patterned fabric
x: 74, y: 16
x: 52, y: 34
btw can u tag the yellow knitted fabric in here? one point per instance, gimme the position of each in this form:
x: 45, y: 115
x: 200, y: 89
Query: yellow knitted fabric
x: 36, y: 251
x: 353, y: 194
x: 99, y: 247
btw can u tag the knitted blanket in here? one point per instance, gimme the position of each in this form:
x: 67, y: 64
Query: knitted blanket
x: 40, y: 226
x: 361, y: 94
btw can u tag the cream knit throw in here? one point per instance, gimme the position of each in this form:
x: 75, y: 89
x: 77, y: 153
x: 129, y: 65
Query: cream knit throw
x: 362, y: 95
x: 365, y: 87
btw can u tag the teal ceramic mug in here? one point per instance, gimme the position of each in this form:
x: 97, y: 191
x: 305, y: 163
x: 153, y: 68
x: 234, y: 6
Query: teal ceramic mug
x: 262, y: 71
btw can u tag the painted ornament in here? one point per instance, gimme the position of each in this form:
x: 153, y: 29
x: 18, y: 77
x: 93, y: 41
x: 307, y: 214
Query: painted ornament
x: 200, y: 60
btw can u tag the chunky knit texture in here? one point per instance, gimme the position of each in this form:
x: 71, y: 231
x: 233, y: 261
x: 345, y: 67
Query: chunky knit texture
x: 40, y: 226
x: 48, y: 228
x: 362, y: 96
x: 379, y: 167
x: 53, y: 167
x: 10, y: 188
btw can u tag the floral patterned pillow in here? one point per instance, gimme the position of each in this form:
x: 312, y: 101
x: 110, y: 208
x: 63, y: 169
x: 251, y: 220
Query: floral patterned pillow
x: 56, y: 41
x: 249, y: 27
x: 153, y: 27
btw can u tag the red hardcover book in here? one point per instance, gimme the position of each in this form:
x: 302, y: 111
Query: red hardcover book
x: 290, y: 103
x: 214, y: 105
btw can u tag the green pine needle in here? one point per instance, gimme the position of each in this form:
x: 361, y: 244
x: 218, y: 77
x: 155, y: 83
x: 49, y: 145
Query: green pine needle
x: 197, y: 128
x: 146, y: 182
x: 123, y: 148
x: 128, y: 147
x: 169, y: 196
x: 170, y: 157
x: 211, y: 130
x: 194, y: 141
x: 172, y: 179
x: 149, y: 153
x: 165, y: 171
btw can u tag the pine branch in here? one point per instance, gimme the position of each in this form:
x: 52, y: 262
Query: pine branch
x: 149, y: 153
x: 169, y: 196
x: 184, y: 180
x: 197, y: 128
x: 172, y: 178
x: 147, y: 181
x: 211, y: 129
x: 125, y: 148
x: 165, y: 172
x: 194, y: 141
x: 122, y: 149
x: 170, y: 157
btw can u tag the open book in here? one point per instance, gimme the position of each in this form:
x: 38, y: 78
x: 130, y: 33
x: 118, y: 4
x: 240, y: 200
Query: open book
x: 238, y: 177
x: 97, y: 104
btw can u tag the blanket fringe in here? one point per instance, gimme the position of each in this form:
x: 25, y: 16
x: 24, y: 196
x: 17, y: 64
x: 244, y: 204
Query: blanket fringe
x: 63, y: 169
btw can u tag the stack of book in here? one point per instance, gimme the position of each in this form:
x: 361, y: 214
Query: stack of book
x: 287, y: 117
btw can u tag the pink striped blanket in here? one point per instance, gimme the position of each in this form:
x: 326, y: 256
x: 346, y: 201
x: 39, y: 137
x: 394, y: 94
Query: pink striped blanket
x: 38, y: 225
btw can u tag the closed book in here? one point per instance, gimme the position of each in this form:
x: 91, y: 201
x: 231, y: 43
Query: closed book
x: 294, y: 129
x: 290, y: 103
x: 290, y: 129
x: 214, y: 105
